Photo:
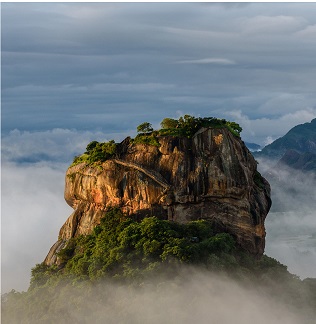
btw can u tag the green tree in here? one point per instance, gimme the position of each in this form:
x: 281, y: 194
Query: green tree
x: 91, y: 146
x: 169, y: 123
x: 235, y: 127
x: 145, y: 128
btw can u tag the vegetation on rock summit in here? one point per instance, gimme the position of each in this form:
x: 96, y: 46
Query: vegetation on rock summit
x: 185, y: 126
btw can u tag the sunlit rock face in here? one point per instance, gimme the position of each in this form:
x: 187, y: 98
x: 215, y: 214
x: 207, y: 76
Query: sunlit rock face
x: 211, y: 176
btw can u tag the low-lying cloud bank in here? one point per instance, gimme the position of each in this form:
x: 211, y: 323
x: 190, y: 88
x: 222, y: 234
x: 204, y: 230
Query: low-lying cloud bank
x: 32, y: 212
x: 194, y: 296
x: 291, y: 239
x: 56, y: 145
x: 291, y: 223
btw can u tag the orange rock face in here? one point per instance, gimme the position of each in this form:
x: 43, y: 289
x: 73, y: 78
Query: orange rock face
x: 212, y: 176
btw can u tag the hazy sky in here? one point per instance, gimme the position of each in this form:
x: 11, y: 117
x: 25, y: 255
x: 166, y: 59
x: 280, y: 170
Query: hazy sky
x: 111, y: 66
x: 77, y: 72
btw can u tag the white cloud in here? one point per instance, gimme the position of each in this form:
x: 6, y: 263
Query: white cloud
x: 195, y: 296
x: 262, y: 129
x: 291, y: 239
x: 55, y: 145
x: 32, y: 211
x: 268, y: 140
x: 308, y: 33
x: 291, y: 224
x: 272, y: 24
x: 219, y: 61
x: 285, y: 103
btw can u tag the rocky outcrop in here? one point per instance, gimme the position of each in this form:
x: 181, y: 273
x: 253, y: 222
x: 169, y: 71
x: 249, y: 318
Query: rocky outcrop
x: 211, y: 176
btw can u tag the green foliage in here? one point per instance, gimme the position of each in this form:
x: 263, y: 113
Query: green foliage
x: 91, y: 146
x: 169, y: 123
x: 146, y: 135
x: 120, y: 247
x: 187, y: 126
x: 234, y: 128
x: 145, y: 128
x: 67, y: 252
x: 148, y: 139
x: 123, y: 249
x: 96, y: 152
x: 41, y: 274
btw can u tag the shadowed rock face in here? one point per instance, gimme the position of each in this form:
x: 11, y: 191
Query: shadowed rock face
x: 212, y: 176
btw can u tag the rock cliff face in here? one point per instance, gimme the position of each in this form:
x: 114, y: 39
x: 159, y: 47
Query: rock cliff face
x: 211, y: 176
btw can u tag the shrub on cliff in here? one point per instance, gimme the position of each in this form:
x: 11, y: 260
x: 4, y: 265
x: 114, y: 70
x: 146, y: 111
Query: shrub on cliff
x: 147, y: 139
x: 97, y: 152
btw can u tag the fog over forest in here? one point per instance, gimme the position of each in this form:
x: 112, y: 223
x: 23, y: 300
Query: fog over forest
x: 195, y: 296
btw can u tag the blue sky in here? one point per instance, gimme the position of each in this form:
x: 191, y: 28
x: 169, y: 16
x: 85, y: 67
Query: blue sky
x: 77, y: 72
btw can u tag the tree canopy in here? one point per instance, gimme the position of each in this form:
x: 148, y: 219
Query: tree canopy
x: 187, y: 125
x: 169, y: 123
x: 145, y: 128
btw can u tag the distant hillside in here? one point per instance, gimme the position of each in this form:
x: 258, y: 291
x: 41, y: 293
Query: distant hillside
x: 301, y: 138
x: 253, y: 147
x: 299, y: 161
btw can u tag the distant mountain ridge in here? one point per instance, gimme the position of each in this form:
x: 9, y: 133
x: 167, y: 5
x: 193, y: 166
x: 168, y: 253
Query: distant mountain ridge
x: 253, y: 147
x: 297, y: 148
x: 304, y: 161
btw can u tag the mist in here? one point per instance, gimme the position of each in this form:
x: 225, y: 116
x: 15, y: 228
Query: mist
x: 291, y: 223
x: 55, y: 145
x: 33, y: 210
x: 194, y: 296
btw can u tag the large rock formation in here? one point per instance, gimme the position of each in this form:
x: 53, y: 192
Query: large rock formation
x: 211, y: 176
